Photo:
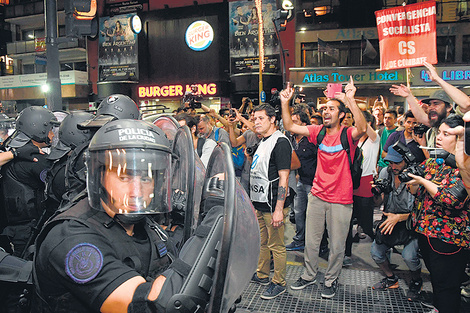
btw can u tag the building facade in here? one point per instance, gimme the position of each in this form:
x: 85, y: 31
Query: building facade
x: 344, y: 33
x: 157, y: 65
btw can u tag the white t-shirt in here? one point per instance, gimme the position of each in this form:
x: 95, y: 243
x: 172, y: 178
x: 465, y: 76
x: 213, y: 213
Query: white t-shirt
x: 207, y: 149
x: 370, y: 151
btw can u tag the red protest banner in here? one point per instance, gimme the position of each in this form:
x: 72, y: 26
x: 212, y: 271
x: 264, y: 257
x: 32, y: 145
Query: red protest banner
x: 407, y: 35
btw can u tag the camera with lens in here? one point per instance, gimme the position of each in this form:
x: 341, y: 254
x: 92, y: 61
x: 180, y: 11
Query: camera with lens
x: 193, y: 98
x: 298, y: 94
x: 381, y: 186
x: 250, y: 151
x: 194, y: 102
x: 413, y: 166
x: 232, y: 113
x: 420, y: 129
x: 412, y: 169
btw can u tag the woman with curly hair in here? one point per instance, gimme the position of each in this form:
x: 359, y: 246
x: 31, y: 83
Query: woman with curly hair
x: 440, y: 218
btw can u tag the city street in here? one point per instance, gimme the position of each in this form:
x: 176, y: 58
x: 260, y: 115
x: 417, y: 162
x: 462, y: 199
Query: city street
x: 354, y: 294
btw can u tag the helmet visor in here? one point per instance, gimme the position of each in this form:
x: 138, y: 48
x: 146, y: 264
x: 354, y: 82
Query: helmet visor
x: 130, y: 181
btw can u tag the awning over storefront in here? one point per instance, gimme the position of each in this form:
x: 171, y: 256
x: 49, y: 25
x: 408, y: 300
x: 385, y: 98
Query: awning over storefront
x: 319, y: 77
x: 74, y: 84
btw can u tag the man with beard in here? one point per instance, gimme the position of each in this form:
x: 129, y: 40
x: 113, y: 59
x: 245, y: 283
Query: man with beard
x: 439, y: 107
x: 206, y: 130
x: 331, y: 198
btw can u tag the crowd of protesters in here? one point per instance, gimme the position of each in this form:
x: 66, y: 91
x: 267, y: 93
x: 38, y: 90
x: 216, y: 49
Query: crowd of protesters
x: 294, y: 160
x: 414, y: 170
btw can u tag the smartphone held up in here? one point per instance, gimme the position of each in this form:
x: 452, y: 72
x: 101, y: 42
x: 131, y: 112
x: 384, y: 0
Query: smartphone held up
x: 332, y: 89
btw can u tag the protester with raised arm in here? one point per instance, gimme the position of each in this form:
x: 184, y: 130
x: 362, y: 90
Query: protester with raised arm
x: 459, y: 97
x: 331, y: 198
x: 439, y: 107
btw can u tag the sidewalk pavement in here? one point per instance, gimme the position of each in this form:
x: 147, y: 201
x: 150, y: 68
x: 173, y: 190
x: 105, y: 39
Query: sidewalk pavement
x: 354, y: 293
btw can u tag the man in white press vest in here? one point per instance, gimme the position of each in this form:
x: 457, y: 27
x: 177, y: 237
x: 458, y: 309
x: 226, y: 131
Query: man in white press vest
x: 268, y: 192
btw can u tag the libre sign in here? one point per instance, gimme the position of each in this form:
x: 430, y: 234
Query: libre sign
x: 407, y: 35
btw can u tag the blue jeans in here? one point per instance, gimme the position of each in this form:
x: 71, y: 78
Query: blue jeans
x: 409, y: 254
x: 300, y: 210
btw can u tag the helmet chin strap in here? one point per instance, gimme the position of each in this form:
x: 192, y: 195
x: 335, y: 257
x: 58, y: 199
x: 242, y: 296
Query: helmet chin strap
x: 129, y: 218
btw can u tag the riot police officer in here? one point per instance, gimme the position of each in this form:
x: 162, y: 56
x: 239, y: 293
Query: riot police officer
x: 114, y: 107
x: 94, y: 255
x: 70, y: 137
x: 23, y: 181
x: 105, y: 253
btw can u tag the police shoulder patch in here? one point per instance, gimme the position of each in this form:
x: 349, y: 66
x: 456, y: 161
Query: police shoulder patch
x: 43, y: 175
x: 83, y: 262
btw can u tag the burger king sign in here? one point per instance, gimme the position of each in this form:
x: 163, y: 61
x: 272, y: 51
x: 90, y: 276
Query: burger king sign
x: 199, y: 35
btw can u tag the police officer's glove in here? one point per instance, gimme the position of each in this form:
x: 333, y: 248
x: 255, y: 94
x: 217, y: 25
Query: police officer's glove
x: 178, y: 201
x: 26, y: 152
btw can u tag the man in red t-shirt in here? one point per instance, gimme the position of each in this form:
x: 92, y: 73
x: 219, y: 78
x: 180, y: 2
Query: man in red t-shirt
x: 331, y: 198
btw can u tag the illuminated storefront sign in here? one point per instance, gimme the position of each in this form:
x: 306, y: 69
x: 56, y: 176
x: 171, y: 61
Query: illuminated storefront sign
x: 449, y: 75
x: 316, y: 77
x: 168, y: 91
x: 199, y: 35
x: 322, y: 77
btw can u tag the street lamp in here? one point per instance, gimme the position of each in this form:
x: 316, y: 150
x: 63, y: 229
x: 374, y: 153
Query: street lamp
x: 45, y: 89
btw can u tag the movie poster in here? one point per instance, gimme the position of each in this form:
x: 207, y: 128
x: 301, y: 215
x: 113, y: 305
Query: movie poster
x: 244, y: 44
x: 118, y: 49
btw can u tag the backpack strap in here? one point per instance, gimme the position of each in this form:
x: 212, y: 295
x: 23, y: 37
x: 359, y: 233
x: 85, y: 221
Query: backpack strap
x: 345, y: 144
x: 200, y: 144
x: 321, y: 135
x: 362, y: 145
x: 216, y: 135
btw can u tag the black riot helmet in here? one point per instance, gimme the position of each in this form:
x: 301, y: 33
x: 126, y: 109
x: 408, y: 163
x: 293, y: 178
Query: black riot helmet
x: 6, y: 122
x: 34, y: 123
x: 129, y: 170
x: 114, y: 107
x: 70, y: 136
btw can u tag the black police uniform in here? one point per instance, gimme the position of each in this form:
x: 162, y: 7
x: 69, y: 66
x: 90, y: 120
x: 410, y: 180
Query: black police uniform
x: 75, y: 173
x: 55, y: 184
x: 84, y: 255
x: 23, y: 184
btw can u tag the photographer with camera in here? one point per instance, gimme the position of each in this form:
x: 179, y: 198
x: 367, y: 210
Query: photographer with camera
x: 441, y: 219
x: 391, y: 230
x: 192, y: 99
x: 408, y: 136
x: 247, y: 106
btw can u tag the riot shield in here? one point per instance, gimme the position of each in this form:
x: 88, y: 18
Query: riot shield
x: 188, y: 174
x: 230, y: 252
x: 168, y: 124
x: 240, y: 245
x: 184, y: 182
